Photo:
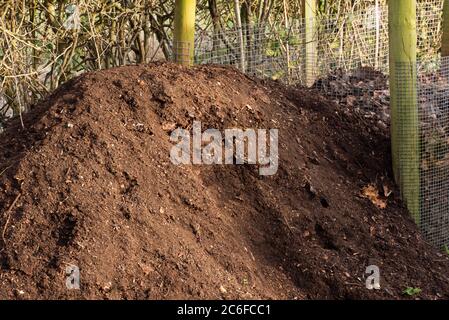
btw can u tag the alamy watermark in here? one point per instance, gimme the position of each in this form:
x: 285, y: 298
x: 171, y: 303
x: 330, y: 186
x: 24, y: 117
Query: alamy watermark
x: 233, y: 146
x: 373, y: 279
x: 72, y: 280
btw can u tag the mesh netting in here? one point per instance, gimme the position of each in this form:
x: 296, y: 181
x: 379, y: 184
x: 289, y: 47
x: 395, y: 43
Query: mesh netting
x: 423, y: 133
x: 320, y: 46
x: 307, y: 50
x: 433, y: 111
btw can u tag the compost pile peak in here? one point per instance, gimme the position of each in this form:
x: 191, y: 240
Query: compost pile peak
x: 89, y: 183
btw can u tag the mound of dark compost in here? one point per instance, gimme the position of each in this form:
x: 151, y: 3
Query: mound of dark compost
x: 88, y: 182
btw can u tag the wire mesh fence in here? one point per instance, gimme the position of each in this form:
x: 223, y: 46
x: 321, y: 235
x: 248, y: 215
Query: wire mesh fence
x: 182, y: 53
x: 306, y: 50
x: 429, y: 30
x: 319, y: 46
x: 433, y: 112
x: 422, y: 115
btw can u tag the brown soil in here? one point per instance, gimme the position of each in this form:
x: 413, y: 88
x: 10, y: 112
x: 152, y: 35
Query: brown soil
x: 89, y: 182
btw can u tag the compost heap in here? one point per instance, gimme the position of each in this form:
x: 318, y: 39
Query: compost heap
x: 88, y: 182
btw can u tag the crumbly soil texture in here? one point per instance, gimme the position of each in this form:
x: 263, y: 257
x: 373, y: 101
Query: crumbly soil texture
x: 87, y: 181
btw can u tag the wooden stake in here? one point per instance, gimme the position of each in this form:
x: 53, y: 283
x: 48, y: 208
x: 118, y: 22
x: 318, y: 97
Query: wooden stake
x: 309, y: 11
x: 184, y: 31
x: 404, y: 107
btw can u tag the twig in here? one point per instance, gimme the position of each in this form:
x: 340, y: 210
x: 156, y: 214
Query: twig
x: 4, y: 170
x: 8, y: 213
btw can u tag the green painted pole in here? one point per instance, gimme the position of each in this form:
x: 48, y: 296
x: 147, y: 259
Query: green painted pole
x: 404, y: 106
x: 309, y: 8
x: 445, y: 39
x: 184, y: 31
